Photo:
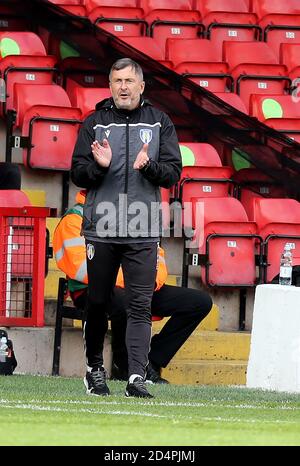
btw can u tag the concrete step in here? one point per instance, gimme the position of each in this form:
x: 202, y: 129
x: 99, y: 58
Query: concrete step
x: 222, y: 346
x: 34, y: 352
x: 190, y: 372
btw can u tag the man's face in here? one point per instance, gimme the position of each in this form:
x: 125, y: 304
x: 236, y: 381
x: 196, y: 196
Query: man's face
x: 126, y: 88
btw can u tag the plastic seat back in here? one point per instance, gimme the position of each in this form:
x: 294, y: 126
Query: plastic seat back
x: 199, y: 154
x: 232, y: 99
x: 25, y: 69
x: 20, y: 43
x: 86, y: 98
x: 165, y: 21
x: 250, y: 60
x: 264, y: 107
x: 124, y: 21
x: 27, y: 95
x: 278, y: 222
x: 227, y: 241
x: 53, y: 133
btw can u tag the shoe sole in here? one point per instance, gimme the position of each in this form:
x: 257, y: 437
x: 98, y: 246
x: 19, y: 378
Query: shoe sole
x: 138, y: 396
x: 89, y: 390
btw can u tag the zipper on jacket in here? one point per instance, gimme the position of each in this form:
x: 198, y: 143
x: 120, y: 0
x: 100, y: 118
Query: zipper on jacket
x: 127, y: 155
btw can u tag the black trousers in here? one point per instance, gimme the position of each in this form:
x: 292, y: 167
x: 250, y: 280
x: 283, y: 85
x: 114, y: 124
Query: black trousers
x: 186, y: 308
x: 138, y: 262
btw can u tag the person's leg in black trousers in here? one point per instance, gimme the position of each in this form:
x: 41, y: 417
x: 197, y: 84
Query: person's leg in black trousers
x: 103, y: 260
x: 187, y: 308
x: 118, y: 323
x: 139, y: 262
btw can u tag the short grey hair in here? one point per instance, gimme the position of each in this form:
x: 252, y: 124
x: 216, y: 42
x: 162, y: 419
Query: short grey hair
x: 124, y: 63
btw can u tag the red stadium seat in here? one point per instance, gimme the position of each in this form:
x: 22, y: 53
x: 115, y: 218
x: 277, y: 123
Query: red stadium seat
x: 290, y: 57
x: 264, y: 107
x: 149, y: 47
x: 75, y: 7
x: 226, y: 242
x: 255, y: 69
x: 20, y: 43
x: 199, y: 60
x: 278, y: 222
x: 232, y: 99
x: 121, y: 21
x: 91, y: 4
x: 280, y: 20
x: 172, y: 20
x: 150, y: 5
x: 228, y: 20
x: 86, y: 98
x: 199, y: 154
x: 27, y: 95
x: 280, y: 112
x: 25, y: 69
x: 49, y: 126
x: 251, y: 180
x: 83, y: 72
x: 202, y: 173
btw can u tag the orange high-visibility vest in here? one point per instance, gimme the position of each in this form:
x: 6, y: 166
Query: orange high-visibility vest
x: 70, y: 252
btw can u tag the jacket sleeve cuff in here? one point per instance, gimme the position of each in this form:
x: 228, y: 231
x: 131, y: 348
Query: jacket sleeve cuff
x: 95, y: 171
x: 149, y: 171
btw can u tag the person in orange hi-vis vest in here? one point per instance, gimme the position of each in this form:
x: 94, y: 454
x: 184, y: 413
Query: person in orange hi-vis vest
x: 186, y: 307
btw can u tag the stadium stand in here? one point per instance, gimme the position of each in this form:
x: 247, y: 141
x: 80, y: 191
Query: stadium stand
x: 228, y: 20
x: 255, y: 69
x: 278, y: 222
x: 246, y: 53
x: 227, y: 243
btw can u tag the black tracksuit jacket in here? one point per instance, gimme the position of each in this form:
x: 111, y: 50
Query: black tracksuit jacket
x: 120, y: 185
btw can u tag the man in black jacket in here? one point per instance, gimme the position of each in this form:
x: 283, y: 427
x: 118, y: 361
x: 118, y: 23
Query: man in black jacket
x: 126, y: 150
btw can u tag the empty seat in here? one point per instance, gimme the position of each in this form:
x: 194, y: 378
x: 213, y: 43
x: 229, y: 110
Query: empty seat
x: 290, y: 57
x: 199, y: 60
x: 150, y: 47
x: 202, y: 173
x: 260, y: 184
x: 226, y: 241
x: 172, y: 20
x: 24, y: 69
x: 199, y: 154
x: 49, y: 126
x: 20, y: 43
x: 265, y: 107
x: 278, y: 222
x: 280, y: 112
x: 150, y: 5
x: 228, y: 20
x: 27, y: 95
x: 232, y: 99
x: 91, y: 4
x: 83, y: 72
x: 255, y: 68
x: 75, y: 7
x: 268, y: 10
x: 280, y: 20
x: 86, y: 98
x: 121, y: 21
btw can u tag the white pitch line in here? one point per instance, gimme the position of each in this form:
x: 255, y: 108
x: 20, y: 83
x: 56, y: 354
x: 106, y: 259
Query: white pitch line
x: 33, y: 407
x: 154, y: 404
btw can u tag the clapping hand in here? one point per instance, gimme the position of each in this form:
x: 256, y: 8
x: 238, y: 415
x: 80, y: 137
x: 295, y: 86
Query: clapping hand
x: 102, y: 153
x: 142, y: 158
